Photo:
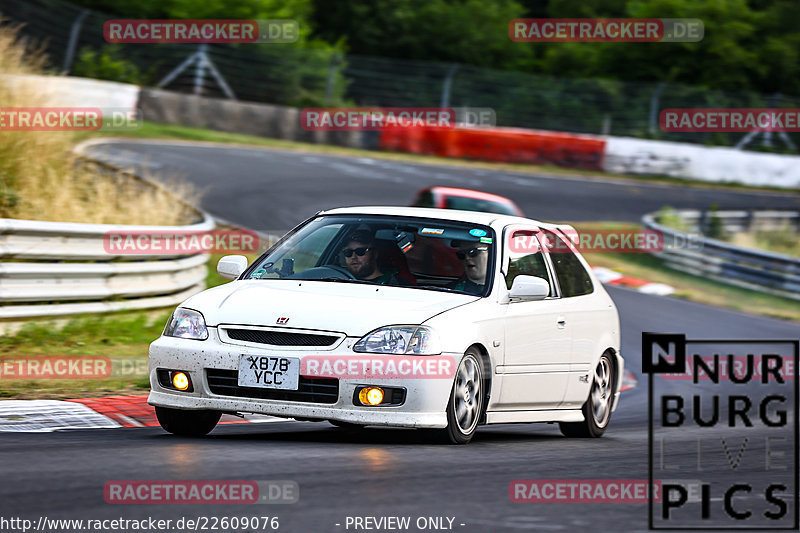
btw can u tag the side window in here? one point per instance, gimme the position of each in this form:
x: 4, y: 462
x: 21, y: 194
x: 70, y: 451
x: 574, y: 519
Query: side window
x: 572, y: 277
x: 307, y: 252
x: 525, y: 258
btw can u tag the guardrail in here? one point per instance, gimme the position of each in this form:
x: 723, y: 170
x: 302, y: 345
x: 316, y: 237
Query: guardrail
x: 56, y: 268
x: 736, y: 221
x: 752, y: 269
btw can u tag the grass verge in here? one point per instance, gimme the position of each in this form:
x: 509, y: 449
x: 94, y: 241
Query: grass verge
x: 152, y: 130
x: 40, y: 176
x: 122, y: 337
x: 784, y: 241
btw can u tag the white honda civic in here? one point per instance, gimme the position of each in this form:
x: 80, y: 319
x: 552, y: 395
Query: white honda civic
x: 408, y: 317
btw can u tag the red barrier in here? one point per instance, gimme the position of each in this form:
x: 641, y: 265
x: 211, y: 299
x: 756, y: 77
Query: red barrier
x: 508, y: 145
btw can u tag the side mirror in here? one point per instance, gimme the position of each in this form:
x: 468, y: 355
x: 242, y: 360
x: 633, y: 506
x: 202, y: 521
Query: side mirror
x: 232, y: 266
x: 529, y: 288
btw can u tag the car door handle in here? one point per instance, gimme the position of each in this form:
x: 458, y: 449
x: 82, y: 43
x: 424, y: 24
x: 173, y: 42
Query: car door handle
x: 562, y: 322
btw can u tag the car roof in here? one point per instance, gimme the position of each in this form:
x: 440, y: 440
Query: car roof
x: 478, y: 217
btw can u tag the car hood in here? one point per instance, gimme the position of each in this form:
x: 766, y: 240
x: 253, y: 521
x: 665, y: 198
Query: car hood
x: 349, y: 308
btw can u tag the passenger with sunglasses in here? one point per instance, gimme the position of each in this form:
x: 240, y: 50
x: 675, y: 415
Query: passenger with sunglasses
x: 474, y: 258
x: 360, y: 257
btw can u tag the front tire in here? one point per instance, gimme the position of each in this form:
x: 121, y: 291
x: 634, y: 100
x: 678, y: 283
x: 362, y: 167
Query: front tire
x: 597, y: 408
x: 187, y: 423
x: 466, y: 403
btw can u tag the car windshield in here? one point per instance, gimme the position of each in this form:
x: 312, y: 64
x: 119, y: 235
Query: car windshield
x: 397, y: 251
x: 475, y: 204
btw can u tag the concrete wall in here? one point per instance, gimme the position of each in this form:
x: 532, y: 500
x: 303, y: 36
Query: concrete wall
x: 263, y: 120
x: 717, y: 164
x: 62, y: 91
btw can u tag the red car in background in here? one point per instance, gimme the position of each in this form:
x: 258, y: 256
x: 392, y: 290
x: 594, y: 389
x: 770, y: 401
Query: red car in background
x: 466, y: 200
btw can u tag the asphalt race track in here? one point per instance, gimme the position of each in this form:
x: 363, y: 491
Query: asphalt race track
x: 273, y: 189
x: 386, y: 472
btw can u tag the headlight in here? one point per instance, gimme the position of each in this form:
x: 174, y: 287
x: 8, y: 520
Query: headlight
x: 186, y: 324
x: 400, y: 340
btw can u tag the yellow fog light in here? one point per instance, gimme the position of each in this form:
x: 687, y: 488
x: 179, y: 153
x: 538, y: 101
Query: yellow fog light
x: 370, y: 395
x: 180, y: 381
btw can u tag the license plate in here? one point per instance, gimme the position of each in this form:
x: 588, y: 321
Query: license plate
x: 269, y: 372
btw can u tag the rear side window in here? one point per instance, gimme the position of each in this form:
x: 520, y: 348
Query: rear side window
x: 572, y: 277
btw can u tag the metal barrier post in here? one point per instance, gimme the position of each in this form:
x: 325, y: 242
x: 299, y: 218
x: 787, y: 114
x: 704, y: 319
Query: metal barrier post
x: 74, y: 31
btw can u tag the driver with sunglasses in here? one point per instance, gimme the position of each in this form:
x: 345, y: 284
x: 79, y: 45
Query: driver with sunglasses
x: 474, y: 258
x: 360, y: 257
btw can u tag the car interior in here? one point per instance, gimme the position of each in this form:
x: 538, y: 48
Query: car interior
x: 419, y: 259
x: 422, y: 254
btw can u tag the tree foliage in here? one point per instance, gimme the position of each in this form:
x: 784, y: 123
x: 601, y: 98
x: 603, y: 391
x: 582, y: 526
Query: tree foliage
x: 749, y: 45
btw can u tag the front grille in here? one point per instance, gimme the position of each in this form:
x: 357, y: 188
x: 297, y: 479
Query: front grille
x: 317, y: 390
x: 281, y: 338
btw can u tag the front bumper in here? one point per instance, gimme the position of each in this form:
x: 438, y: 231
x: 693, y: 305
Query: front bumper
x: 424, y: 406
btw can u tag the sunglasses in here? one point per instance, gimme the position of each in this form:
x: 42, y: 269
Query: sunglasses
x: 472, y: 252
x: 348, y: 252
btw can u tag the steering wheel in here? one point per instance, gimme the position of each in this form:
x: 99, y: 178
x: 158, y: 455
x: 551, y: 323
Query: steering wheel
x: 341, y: 270
x: 322, y: 272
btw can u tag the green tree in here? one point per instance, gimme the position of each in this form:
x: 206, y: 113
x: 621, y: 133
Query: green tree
x: 748, y: 45
x: 299, y: 10
x: 107, y: 63
x: 474, y: 32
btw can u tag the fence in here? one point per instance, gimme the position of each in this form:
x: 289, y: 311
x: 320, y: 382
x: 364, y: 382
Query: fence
x: 293, y: 76
x: 753, y: 269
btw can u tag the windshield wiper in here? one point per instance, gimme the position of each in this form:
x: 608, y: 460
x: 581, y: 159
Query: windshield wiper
x: 339, y: 280
x: 438, y: 288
